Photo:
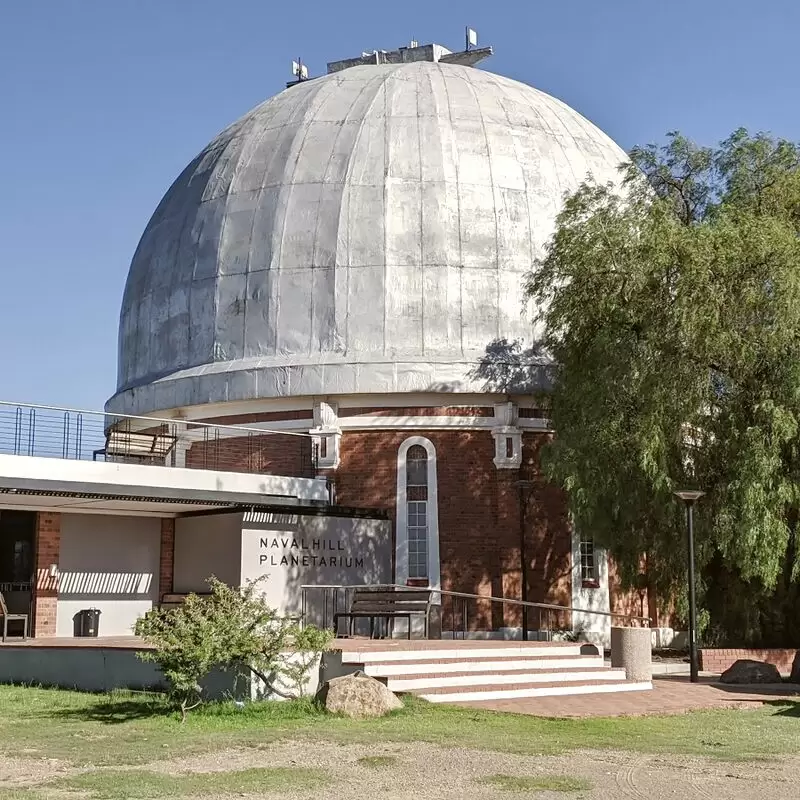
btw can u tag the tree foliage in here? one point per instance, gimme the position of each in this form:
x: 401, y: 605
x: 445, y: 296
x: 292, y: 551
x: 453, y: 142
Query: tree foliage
x: 231, y: 629
x: 671, y: 305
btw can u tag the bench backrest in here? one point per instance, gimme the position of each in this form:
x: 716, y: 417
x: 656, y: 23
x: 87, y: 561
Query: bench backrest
x: 388, y: 601
x: 141, y: 445
x: 177, y: 598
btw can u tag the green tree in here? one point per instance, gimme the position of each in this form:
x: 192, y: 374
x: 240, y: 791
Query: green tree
x: 671, y: 309
x: 232, y: 629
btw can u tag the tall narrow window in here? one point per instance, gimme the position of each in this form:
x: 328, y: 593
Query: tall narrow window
x: 417, y: 532
x: 588, y: 565
x: 417, y: 511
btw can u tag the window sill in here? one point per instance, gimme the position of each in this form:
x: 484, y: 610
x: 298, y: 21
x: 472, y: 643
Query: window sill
x: 590, y: 584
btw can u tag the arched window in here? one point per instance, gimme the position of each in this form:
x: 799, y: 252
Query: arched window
x: 417, y: 538
x: 417, y: 511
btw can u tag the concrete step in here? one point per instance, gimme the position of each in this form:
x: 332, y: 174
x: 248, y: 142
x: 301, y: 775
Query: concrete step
x: 508, y: 677
x: 384, y: 669
x: 469, y: 652
x: 509, y: 692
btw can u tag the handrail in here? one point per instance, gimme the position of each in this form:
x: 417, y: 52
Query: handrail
x: 173, y: 421
x: 490, y: 598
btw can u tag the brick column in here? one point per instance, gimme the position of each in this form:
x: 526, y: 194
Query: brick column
x: 45, y: 592
x: 167, y: 559
x: 509, y: 570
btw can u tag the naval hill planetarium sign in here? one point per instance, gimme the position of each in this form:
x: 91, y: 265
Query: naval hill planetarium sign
x: 313, y: 549
x: 293, y: 551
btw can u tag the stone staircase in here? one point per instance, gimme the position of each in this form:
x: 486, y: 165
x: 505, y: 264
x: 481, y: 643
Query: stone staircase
x: 469, y: 671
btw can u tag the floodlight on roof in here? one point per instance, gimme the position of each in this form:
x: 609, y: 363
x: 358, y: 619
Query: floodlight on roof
x: 472, y: 38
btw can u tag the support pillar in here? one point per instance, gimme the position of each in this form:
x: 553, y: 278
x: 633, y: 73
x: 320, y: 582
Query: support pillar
x: 45, y: 590
x: 167, y: 559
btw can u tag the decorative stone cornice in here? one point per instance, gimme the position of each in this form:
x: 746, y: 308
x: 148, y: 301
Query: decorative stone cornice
x: 327, y: 434
x: 507, y: 436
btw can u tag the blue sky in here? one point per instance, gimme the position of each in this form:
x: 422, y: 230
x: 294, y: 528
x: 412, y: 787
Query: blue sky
x: 103, y: 102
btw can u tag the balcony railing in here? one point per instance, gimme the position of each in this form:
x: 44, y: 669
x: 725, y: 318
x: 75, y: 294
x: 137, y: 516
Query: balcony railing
x: 53, y: 432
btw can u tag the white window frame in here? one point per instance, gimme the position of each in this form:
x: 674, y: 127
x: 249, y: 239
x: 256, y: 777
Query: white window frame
x: 592, y: 598
x: 594, y: 581
x: 401, y: 533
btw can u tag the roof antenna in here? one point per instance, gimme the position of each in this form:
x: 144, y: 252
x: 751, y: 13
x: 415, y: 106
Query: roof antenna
x: 472, y: 39
x: 300, y: 72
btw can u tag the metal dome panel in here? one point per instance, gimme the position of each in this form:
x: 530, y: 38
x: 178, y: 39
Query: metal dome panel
x: 367, y: 231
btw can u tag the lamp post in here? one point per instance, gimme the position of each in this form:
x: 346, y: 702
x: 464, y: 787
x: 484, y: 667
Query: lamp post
x: 690, y: 497
x: 524, y: 487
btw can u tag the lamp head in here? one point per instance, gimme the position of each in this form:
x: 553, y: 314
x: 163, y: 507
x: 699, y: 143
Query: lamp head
x: 689, y: 495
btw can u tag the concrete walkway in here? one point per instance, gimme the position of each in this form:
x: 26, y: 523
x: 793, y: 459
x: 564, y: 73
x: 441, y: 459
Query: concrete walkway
x: 671, y: 694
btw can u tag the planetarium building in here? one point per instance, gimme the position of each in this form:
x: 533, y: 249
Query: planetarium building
x: 349, y: 259
x: 340, y: 273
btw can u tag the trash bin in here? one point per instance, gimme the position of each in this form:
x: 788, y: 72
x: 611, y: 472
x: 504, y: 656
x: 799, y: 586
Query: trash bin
x: 88, y: 622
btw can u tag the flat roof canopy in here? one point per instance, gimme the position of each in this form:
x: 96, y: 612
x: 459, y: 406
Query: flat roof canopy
x: 85, y: 502
x: 55, y: 484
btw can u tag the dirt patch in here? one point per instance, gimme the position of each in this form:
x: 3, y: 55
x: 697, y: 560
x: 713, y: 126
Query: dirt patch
x: 424, y: 770
x: 410, y: 771
x: 19, y: 771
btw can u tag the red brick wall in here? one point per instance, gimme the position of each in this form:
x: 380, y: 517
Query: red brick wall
x: 45, y: 594
x: 632, y: 602
x: 419, y: 411
x: 167, y: 558
x: 625, y: 601
x: 478, y: 516
x: 714, y: 660
x: 276, y: 454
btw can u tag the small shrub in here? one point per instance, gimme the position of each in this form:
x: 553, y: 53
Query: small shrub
x: 230, y: 629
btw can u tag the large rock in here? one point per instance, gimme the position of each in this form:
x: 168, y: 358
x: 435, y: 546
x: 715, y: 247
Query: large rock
x: 795, y: 674
x: 357, y: 696
x: 747, y: 671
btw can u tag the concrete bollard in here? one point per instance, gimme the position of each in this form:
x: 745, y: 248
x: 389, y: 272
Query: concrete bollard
x: 631, y: 650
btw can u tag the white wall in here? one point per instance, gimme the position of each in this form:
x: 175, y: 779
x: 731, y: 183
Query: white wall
x: 591, y: 627
x: 146, y: 476
x: 206, y: 545
x: 110, y: 563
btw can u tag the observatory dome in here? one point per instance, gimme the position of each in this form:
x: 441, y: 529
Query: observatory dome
x: 363, y: 232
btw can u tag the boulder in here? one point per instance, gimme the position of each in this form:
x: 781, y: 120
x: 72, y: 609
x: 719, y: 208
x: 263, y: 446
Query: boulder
x: 794, y: 677
x: 747, y: 671
x: 357, y: 696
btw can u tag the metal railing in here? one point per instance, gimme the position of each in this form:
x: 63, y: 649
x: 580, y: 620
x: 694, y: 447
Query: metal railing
x: 56, y: 432
x: 460, y: 607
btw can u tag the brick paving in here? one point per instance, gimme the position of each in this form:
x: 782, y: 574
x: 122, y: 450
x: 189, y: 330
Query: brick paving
x: 76, y: 643
x: 670, y: 695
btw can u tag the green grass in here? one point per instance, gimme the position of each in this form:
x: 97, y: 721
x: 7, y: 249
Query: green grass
x: 132, y: 729
x: 376, y: 762
x: 545, y: 783
x: 143, y: 784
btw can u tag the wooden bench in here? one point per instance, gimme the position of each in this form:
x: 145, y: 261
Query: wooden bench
x: 136, y: 446
x: 175, y: 599
x: 386, y: 603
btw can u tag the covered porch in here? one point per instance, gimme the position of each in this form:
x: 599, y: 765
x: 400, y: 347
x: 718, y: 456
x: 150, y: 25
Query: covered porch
x: 78, y: 535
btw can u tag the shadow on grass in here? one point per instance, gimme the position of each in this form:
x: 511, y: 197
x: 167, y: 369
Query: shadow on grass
x: 116, y: 711
x: 124, y: 708
x: 785, y: 708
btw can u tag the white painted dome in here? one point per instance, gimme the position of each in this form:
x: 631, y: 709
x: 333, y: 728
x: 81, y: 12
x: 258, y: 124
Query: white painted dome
x: 364, y: 232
